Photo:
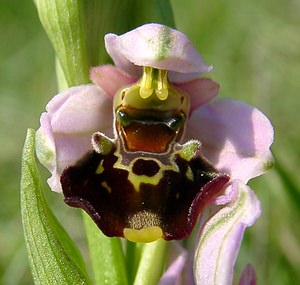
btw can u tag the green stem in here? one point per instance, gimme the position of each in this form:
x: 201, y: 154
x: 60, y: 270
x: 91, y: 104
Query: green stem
x: 152, y: 263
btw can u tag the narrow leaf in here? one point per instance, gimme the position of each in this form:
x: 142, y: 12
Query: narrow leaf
x: 63, y: 22
x: 53, y: 257
x: 106, y: 256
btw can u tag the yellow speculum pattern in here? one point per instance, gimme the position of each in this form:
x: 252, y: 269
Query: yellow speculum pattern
x: 135, y: 179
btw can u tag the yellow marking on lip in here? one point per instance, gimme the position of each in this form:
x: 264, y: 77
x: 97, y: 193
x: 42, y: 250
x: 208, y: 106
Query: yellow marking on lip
x: 148, y: 234
x: 100, y: 168
x: 136, y: 180
x: 106, y: 186
x: 189, y: 174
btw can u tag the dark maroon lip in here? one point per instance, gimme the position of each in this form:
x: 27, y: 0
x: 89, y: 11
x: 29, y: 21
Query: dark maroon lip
x: 174, y: 202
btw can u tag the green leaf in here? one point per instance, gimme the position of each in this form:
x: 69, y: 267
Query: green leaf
x: 106, y: 256
x: 63, y: 22
x: 60, y: 76
x: 53, y: 257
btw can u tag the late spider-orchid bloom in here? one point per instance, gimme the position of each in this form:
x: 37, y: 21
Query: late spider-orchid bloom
x: 145, y: 165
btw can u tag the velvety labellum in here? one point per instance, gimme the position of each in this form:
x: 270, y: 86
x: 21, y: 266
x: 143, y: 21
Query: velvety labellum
x: 144, y: 194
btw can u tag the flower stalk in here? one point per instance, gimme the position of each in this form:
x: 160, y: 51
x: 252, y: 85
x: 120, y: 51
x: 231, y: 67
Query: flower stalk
x: 152, y: 263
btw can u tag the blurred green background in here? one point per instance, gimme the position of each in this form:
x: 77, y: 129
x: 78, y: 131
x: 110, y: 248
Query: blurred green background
x: 255, y: 48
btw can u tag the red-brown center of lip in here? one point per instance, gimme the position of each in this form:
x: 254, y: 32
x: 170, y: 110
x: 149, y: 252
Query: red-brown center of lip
x: 140, y: 136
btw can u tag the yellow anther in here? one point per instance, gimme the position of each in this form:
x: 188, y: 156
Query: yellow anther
x: 162, y: 85
x: 154, y: 80
x: 162, y: 94
x: 145, y: 93
x: 146, y: 83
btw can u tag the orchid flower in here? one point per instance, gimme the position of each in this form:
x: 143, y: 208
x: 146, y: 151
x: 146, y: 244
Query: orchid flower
x: 203, y: 148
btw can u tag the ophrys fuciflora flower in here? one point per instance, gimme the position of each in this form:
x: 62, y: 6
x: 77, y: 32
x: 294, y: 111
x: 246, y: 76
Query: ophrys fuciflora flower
x: 128, y: 163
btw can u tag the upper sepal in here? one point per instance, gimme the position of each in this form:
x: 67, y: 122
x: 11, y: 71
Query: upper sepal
x: 157, y: 46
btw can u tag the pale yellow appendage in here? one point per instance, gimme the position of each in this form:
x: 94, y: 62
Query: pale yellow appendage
x: 148, y: 234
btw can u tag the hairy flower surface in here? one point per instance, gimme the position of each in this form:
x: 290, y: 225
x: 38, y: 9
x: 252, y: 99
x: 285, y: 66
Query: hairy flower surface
x: 175, y: 150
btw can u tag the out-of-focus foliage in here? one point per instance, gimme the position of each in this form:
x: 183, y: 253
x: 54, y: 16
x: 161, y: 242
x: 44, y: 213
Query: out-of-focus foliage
x: 254, y: 46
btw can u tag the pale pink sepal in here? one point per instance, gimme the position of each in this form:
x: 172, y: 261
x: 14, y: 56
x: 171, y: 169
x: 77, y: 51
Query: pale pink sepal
x: 221, y: 236
x: 235, y: 137
x: 110, y: 78
x: 157, y: 46
x: 248, y: 276
x: 66, y: 128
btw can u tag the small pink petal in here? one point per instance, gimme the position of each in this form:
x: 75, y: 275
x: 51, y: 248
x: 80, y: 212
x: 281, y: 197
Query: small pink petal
x: 157, y: 46
x: 110, y: 79
x: 178, y: 258
x: 248, y: 276
x: 235, y: 137
x: 200, y: 90
x: 221, y: 236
